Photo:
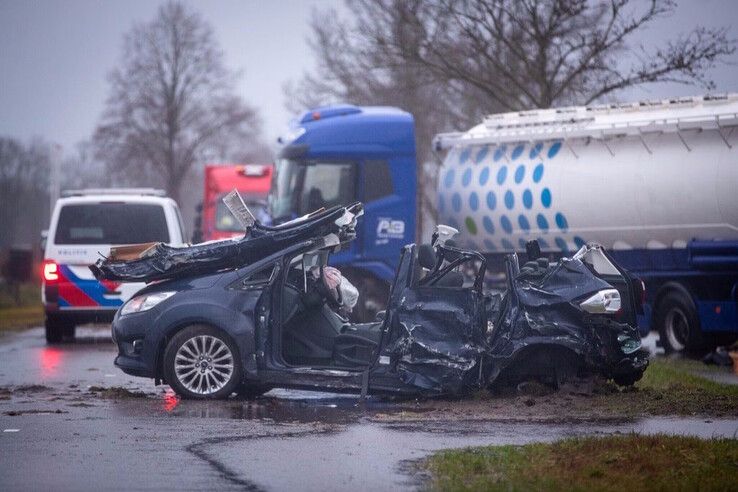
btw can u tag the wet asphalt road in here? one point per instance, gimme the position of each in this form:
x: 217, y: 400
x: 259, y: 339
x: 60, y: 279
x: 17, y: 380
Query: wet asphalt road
x: 57, y: 434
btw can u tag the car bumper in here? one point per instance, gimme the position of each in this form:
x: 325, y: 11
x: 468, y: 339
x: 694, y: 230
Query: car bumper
x: 136, y: 348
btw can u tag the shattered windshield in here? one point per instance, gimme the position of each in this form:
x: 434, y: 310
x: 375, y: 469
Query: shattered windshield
x: 301, y: 187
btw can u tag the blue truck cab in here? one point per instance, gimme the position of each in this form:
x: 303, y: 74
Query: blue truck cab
x: 339, y: 154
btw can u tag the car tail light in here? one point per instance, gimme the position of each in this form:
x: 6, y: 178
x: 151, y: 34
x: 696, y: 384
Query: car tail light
x: 50, y: 271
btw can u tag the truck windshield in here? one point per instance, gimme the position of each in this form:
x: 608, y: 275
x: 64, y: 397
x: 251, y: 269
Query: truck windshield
x: 300, y: 187
x: 226, y: 222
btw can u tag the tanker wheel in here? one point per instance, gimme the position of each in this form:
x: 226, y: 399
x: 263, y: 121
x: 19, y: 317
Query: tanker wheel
x: 678, y: 324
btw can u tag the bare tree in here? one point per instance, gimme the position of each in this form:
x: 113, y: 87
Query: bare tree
x: 24, y: 198
x: 523, y: 54
x: 172, y: 103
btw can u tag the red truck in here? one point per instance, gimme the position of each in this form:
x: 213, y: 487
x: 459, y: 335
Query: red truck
x: 251, y: 180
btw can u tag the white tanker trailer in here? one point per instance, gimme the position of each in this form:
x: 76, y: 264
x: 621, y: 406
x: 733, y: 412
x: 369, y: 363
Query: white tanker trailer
x: 655, y: 182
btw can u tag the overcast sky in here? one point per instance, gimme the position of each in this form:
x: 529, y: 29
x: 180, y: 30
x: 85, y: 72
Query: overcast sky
x: 55, y: 55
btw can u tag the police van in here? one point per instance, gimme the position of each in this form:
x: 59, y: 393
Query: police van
x: 84, y: 225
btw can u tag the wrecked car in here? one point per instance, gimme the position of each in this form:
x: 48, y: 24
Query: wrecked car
x: 264, y: 311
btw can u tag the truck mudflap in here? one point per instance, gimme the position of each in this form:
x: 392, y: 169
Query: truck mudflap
x: 334, y: 226
x: 542, y: 327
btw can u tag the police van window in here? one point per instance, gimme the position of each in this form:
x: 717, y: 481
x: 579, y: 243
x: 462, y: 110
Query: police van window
x: 377, y: 180
x: 111, y: 223
x: 326, y: 184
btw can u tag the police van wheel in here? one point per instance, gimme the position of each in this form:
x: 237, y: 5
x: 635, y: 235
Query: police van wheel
x: 678, y: 324
x: 57, y: 329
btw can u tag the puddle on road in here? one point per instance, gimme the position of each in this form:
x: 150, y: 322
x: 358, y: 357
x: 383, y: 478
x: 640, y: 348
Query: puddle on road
x: 279, y: 406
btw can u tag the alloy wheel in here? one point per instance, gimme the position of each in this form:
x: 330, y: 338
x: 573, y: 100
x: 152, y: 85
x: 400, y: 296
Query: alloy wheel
x: 204, y: 364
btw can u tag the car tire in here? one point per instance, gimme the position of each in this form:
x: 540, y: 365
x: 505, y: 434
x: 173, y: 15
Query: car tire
x: 678, y: 324
x: 628, y: 379
x: 203, y: 363
x: 56, y: 329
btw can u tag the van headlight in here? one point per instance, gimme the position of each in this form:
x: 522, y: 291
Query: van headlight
x: 145, y: 302
x: 602, y: 302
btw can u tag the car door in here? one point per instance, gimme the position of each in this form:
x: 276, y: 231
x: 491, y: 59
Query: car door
x: 434, y: 335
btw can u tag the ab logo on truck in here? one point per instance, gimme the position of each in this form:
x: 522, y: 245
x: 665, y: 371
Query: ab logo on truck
x: 390, y: 229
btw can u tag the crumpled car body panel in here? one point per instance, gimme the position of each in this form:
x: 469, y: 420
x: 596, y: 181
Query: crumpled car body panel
x: 440, y: 338
x: 542, y: 313
x: 259, y: 242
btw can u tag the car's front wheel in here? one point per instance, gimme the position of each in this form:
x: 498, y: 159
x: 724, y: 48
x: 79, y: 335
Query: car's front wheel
x: 201, y: 362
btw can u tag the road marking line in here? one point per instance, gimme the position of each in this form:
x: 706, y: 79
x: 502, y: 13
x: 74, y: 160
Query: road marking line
x: 11, y: 430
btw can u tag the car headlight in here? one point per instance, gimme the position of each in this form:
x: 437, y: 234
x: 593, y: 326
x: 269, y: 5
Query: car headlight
x: 603, y: 302
x: 144, y: 302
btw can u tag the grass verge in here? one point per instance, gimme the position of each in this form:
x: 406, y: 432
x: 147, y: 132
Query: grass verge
x: 13, y: 318
x: 672, y: 386
x: 630, y: 462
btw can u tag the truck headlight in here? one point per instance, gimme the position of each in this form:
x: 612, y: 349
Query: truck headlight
x: 144, y: 302
x: 603, y: 302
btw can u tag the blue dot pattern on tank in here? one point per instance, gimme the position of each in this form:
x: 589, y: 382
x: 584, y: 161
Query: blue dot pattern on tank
x: 484, y: 176
x: 561, y: 222
x: 509, y: 199
x: 499, y: 153
x: 501, y: 175
x: 523, y: 223
x: 538, y: 173
x: 519, y: 173
x: 524, y: 214
x: 546, y: 197
x: 542, y: 222
x: 522, y: 242
x: 466, y: 178
x: 561, y: 244
x: 456, y: 202
x: 535, y: 150
x: 489, y: 226
x: 474, y: 201
x: 482, y: 154
x: 491, y: 200
x: 527, y: 199
x: 542, y: 243
x: 449, y: 180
